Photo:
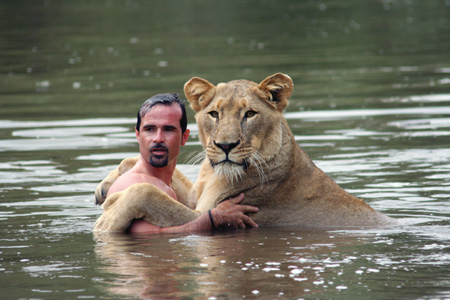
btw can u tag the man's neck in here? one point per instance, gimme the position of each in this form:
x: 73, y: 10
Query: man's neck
x: 164, y: 173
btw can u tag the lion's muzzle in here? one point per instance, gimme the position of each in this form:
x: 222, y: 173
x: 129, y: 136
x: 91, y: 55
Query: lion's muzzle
x: 227, y: 147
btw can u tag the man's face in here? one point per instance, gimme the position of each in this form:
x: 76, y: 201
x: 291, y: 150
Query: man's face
x: 160, y: 135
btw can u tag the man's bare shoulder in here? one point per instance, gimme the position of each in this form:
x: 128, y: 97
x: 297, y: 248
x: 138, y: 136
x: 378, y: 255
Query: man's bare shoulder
x: 126, y: 180
x: 138, y: 174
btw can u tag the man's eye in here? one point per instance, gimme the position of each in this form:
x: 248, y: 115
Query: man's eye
x: 250, y: 113
x: 214, y: 114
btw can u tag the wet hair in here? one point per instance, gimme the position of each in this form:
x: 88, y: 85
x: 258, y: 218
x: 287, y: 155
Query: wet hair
x: 164, y: 99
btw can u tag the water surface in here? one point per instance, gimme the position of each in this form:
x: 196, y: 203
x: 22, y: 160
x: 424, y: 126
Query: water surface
x: 371, y: 106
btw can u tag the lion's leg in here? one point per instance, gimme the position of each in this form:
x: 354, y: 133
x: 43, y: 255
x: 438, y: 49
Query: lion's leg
x: 146, y: 201
x: 181, y: 186
x: 102, y: 189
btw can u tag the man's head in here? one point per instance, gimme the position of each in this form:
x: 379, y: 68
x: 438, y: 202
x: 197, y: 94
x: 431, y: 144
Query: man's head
x: 164, y: 99
x: 161, y: 130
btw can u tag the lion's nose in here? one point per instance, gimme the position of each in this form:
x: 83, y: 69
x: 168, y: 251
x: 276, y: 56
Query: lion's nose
x: 227, y: 147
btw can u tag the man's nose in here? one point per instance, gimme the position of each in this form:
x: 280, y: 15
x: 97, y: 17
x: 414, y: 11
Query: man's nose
x: 159, y: 136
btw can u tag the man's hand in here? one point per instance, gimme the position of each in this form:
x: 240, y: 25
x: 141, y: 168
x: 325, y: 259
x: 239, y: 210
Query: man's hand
x: 229, y: 214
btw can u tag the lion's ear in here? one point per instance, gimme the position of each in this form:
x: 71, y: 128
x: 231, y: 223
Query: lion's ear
x: 279, y: 87
x: 199, y: 92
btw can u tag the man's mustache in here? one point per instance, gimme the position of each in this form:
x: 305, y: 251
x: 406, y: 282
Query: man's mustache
x: 159, y: 146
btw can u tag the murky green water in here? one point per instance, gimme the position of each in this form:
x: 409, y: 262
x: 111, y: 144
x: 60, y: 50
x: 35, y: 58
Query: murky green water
x: 371, y: 106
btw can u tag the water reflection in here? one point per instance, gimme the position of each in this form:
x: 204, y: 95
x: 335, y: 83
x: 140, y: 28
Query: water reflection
x: 224, y: 264
x: 285, y: 263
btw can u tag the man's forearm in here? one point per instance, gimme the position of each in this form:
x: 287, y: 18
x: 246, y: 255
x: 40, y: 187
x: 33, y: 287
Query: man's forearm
x: 202, y: 223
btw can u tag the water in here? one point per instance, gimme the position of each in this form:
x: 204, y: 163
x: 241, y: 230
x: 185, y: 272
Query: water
x: 371, y: 106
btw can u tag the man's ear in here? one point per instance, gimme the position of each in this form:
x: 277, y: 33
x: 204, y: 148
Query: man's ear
x: 137, y: 134
x: 277, y: 88
x: 185, y: 137
x: 199, y: 92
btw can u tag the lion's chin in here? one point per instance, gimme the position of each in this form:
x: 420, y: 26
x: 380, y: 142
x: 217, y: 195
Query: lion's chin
x: 232, y: 172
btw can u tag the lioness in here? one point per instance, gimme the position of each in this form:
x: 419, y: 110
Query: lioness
x: 249, y: 148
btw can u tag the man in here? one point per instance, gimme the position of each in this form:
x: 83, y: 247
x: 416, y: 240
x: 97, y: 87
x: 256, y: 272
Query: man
x: 161, y: 131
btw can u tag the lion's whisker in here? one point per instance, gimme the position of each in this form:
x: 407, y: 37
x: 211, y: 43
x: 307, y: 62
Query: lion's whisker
x: 196, y: 158
x: 231, y: 173
x: 258, y: 162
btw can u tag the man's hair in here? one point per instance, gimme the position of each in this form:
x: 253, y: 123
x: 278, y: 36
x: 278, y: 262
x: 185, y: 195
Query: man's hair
x: 164, y: 99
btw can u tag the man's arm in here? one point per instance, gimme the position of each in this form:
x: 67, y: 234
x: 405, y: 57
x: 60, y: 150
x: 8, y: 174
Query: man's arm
x: 228, y: 214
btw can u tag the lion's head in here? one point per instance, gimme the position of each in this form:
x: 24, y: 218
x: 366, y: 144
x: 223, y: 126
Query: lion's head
x: 239, y: 121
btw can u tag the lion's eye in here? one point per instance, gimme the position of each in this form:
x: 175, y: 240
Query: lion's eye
x: 214, y: 114
x: 250, y: 113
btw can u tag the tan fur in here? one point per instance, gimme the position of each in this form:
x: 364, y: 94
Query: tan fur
x: 142, y: 201
x: 264, y: 161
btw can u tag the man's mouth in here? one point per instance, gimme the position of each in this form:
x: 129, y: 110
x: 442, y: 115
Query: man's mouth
x: 158, y: 150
